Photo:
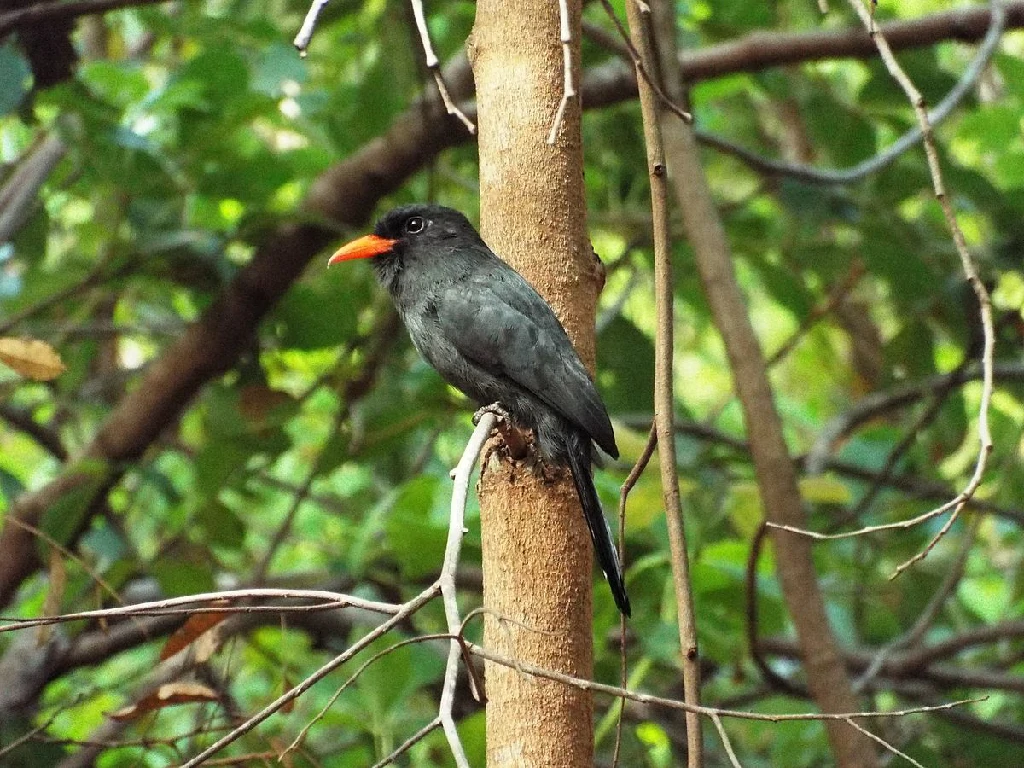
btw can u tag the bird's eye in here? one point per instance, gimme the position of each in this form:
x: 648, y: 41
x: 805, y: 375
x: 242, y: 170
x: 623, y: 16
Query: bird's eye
x: 415, y: 225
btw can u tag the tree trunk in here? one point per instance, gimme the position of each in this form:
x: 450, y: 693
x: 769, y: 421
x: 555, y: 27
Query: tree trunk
x: 536, y: 549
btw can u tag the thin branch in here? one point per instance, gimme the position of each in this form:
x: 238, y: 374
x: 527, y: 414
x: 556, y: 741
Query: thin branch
x: 878, y: 404
x: 406, y: 745
x: 407, y: 610
x: 645, y: 698
x: 642, y: 70
x: 434, y: 65
x: 966, y: 262
x: 156, y: 607
x: 905, y: 443
x: 644, y: 38
x: 725, y: 741
x: 930, y: 612
x: 771, y: 677
x: 305, y: 33
x: 344, y: 686
x: 446, y: 581
x: 631, y: 480
x: 633, y: 477
x: 883, y: 742
x: 568, y: 87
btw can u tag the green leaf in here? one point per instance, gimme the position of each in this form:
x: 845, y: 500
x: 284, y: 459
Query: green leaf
x: 220, y: 525
x: 15, y: 75
x: 65, y: 517
x: 625, y: 364
x: 183, y: 576
x: 277, y: 65
x: 415, y: 540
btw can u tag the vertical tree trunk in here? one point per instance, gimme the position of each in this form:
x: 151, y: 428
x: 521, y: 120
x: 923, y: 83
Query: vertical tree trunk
x: 536, y: 549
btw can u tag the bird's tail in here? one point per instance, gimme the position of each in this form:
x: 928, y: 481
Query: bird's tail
x: 579, y: 450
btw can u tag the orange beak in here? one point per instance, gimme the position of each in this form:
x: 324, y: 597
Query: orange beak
x: 362, y: 248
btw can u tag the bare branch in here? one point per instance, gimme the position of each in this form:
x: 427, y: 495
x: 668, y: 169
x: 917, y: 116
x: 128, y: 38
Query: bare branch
x: 158, y: 607
x: 56, y: 9
x: 643, y: 73
x: 19, y: 192
x: 725, y: 741
x: 646, y: 698
x: 305, y: 33
x: 568, y: 87
x: 966, y: 262
x: 434, y: 65
x: 446, y: 581
x: 883, y: 742
x: 644, y: 38
x: 406, y: 745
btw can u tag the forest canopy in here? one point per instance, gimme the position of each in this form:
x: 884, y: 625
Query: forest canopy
x: 190, y: 401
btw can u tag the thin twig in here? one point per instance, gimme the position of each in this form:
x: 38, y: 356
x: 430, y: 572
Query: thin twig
x: 930, y: 413
x: 305, y: 34
x: 406, y: 745
x: 434, y: 65
x: 627, y: 486
x: 344, y: 686
x: 840, y: 176
x: 407, y: 610
x: 645, y: 698
x: 966, y: 262
x: 725, y: 741
x: 157, y: 607
x: 928, y: 615
x: 643, y: 73
x: 568, y: 87
x: 883, y: 742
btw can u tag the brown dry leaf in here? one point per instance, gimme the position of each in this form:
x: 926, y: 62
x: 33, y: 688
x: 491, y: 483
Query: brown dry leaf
x: 166, y: 696
x: 257, y: 401
x: 195, y: 627
x: 31, y: 358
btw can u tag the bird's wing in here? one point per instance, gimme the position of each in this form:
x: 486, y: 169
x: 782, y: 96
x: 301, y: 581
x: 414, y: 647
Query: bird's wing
x: 497, y: 320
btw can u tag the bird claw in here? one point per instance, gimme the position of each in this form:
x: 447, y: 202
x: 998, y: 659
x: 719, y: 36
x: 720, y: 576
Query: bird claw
x: 500, y: 413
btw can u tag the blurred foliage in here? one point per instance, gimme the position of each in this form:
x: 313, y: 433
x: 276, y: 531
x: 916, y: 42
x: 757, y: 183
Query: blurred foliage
x: 193, y: 132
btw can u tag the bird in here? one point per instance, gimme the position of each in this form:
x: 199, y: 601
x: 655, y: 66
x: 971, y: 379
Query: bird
x: 488, y: 332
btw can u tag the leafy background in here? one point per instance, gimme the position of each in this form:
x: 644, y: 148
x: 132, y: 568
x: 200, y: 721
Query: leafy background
x: 193, y: 132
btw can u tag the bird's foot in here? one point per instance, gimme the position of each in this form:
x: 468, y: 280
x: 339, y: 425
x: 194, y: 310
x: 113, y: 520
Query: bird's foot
x: 500, y: 413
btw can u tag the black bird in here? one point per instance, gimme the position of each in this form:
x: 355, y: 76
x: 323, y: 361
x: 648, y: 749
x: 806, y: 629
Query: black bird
x: 490, y: 334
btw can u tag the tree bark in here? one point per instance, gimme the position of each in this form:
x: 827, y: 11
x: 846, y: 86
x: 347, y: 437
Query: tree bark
x: 536, y: 550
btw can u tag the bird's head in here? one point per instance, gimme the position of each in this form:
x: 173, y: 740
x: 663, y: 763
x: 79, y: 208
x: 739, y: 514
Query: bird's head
x: 421, y: 228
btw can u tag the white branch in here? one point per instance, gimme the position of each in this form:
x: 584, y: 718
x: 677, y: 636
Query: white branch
x: 568, y: 87
x: 446, y: 581
x: 308, y: 25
